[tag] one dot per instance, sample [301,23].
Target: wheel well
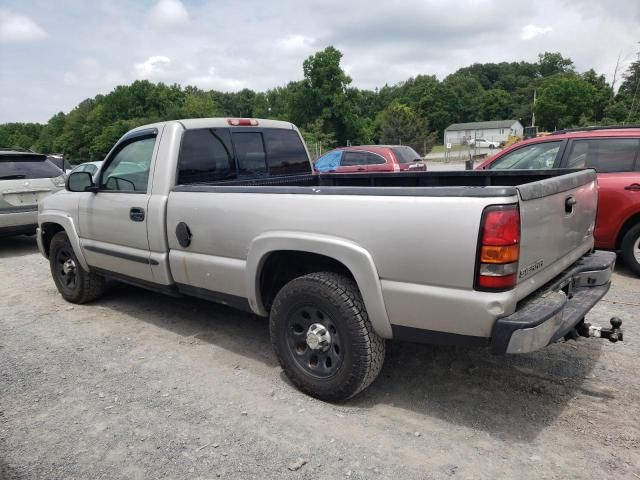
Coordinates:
[48,232]
[283,266]
[628,225]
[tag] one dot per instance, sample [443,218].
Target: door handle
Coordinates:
[634,187]
[361,169]
[569,203]
[136,214]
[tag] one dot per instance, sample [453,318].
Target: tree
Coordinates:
[399,124]
[495,104]
[554,63]
[323,95]
[563,100]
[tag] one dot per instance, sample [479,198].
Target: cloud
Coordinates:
[18,28]
[531,31]
[152,67]
[94,46]
[295,42]
[169,12]
[215,81]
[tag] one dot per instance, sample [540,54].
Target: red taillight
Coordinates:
[499,249]
[242,122]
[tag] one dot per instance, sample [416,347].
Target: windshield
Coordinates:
[17,167]
[530,157]
[406,154]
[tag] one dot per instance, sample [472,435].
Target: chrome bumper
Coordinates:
[550,313]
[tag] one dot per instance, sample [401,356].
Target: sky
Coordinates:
[53,55]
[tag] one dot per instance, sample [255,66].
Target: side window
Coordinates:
[128,170]
[286,154]
[375,159]
[250,153]
[606,155]
[537,156]
[92,169]
[351,159]
[205,156]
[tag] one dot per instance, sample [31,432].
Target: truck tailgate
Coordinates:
[557,222]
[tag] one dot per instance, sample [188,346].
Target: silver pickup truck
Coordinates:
[228,210]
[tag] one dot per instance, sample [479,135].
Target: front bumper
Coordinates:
[553,311]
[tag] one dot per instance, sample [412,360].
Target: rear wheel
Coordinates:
[74,283]
[630,247]
[323,338]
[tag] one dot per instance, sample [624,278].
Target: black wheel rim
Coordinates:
[322,362]
[65,265]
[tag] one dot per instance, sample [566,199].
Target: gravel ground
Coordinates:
[141,386]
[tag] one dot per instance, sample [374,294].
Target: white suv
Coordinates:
[25,179]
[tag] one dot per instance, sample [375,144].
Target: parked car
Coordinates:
[483,143]
[91,167]
[229,210]
[26,178]
[60,162]
[615,154]
[370,158]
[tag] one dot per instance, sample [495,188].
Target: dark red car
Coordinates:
[615,154]
[370,158]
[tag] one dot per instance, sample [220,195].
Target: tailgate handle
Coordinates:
[634,187]
[569,203]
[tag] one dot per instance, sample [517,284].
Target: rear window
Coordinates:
[17,167]
[406,154]
[205,156]
[250,154]
[606,155]
[286,154]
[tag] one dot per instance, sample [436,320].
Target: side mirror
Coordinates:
[79,182]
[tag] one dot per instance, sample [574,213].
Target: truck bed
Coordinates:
[500,183]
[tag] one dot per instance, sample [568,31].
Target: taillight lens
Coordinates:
[499,249]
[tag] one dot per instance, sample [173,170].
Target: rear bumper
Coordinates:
[16,221]
[550,313]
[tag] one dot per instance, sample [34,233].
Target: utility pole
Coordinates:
[533,113]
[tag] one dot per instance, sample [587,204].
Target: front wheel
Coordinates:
[630,247]
[74,283]
[323,338]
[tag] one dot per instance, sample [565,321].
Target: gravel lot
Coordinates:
[142,386]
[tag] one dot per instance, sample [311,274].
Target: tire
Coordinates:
[491,146]
[355,351]
[74,283]
[630,247]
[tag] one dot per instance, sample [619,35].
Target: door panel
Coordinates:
[113,221]
[353,162]
[615,205]
[616,161]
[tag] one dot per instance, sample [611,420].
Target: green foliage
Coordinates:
[565,100]
[331,112]
[399,124]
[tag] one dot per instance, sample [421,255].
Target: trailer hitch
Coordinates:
[584,329]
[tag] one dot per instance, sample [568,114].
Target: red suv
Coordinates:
[370,158]
[614,152]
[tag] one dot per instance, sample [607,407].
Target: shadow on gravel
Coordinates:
[196,320]
[513,398]
[17,247]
